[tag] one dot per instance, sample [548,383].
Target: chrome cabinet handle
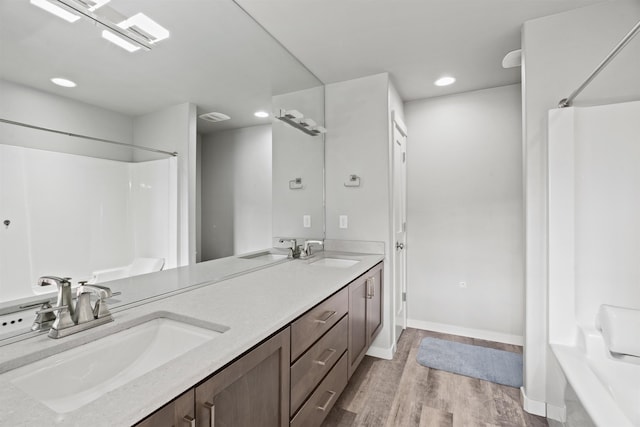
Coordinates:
[189,419]
[212,416]
[399,246]
[371,289]
[326,404]
[324,361]
[325,317]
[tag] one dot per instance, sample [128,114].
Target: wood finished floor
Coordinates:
[401,392]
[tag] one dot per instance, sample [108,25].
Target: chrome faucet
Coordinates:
[306,250]
[71,319]
[294,249]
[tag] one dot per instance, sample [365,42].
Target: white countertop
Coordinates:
[253,306]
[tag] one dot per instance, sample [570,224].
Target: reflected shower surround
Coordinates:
[72,215]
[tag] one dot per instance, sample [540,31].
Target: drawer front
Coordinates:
[312,325]
[316,409]
[307,372]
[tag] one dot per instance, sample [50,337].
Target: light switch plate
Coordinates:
[344,221]
[306,221]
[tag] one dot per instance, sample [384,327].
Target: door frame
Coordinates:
[397,125]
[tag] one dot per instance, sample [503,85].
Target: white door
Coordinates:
[399,226]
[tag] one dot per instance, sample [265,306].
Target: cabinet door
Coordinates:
[180,412]
[252,391]
[357,322]
[374,303]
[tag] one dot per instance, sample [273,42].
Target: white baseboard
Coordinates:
[534,407]
[481,334]
[381,352]
[558,413]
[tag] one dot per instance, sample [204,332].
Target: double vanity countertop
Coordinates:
[252,306]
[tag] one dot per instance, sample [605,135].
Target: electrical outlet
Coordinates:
[344,221]
[306,221]
[462,284]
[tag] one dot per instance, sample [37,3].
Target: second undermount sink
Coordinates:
[71,379]
[335,262]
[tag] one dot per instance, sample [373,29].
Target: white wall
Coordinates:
[464,214]
[298,155]
[558,53]
[27,105]
[357,142]
[236,191]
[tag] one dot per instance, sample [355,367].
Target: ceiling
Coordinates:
[217,57]
[416,41]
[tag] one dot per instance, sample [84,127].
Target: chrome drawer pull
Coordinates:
[323,362]
[212,408]
[189,419]
[326,404]
[325,317]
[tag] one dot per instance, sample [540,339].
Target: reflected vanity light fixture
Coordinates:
[296,119]
[55,10]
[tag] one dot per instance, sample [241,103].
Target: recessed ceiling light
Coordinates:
[119,41]
[444,81]
[261,114]
[56,10]
[63,82]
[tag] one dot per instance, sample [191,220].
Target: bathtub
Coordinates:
[607,387]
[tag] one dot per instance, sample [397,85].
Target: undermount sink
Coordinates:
[71,379]
[335,262]
[265,256]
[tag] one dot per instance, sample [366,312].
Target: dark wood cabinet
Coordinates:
[365,314]
[180,412]
[252,391]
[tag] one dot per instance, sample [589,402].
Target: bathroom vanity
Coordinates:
[293,377]
[287,338]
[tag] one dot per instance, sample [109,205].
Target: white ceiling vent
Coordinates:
[214,117]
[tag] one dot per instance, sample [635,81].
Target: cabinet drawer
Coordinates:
[315,410]
[312,325]
[307,372]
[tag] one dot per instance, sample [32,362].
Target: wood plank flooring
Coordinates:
[401,392]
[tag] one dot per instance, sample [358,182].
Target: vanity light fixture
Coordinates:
[445,81]
[56,10]
[60,81]
[93,5]
[261,114]
[146,27]
[119,41]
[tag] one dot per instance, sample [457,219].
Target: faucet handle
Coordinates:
[54,280]
[100,309]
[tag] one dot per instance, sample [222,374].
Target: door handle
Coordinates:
[399,246]
[212,412]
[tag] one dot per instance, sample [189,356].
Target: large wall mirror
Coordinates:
[119,176]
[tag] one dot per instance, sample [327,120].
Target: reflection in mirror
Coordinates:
[102,212]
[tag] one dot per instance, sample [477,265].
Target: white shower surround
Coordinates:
[110,213]
[594,247]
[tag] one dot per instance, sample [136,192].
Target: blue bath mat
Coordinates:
[497,366]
